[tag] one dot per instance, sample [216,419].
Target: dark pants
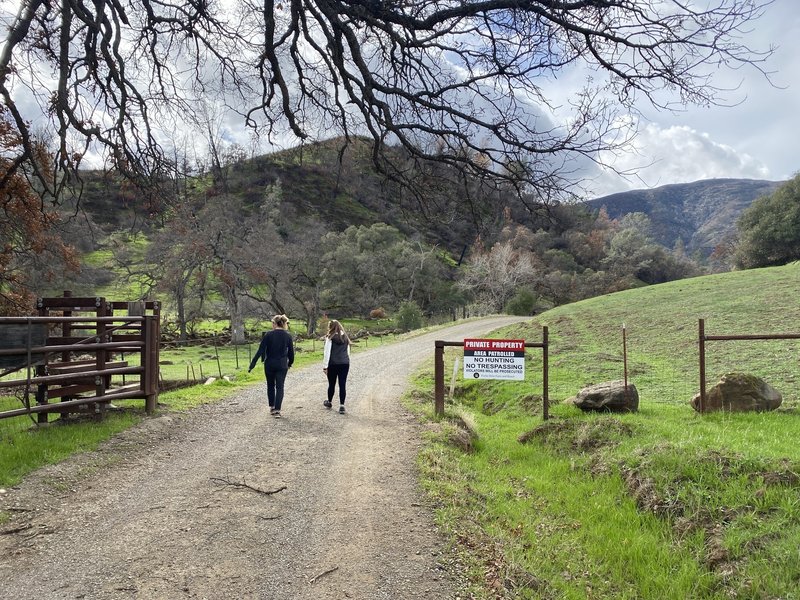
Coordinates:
[275,380]
[337,373]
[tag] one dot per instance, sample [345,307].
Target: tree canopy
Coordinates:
[30,245]
[769,230]
[453,82]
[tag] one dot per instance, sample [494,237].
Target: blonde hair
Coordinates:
[334,327]
[281,321]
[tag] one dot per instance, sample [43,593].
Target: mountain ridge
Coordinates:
[701,214]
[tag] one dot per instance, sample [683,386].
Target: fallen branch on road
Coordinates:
[313,579]
[225,482]
[16,529]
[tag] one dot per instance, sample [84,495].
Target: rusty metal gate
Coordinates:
[73,351]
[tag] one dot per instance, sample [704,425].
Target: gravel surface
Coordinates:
[333,508]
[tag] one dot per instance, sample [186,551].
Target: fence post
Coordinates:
[438,377]
[216,352]
[545,376]
[702,352]
[101,381]
[625,359]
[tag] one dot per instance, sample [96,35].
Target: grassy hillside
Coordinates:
[663,503]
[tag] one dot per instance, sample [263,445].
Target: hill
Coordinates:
[323,182]
[339,186]
[700,214]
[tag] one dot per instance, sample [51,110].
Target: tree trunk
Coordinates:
[236,319]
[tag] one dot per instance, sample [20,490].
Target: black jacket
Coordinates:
[276,350]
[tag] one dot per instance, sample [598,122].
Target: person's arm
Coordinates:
[290,351]
[258,354]
[326,354]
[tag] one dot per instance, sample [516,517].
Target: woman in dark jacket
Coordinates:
[336,362]
[277,352]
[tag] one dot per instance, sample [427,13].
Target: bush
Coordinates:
[523,303]
[409,316]
[377,313]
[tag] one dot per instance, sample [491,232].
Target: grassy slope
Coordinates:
[659,504]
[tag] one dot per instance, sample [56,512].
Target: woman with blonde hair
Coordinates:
[336,362]
[277,352]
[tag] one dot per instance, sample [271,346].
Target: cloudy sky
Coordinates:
[756,139]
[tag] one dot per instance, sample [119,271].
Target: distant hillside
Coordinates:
[699,213]
[322,183]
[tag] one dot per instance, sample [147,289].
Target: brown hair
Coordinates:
[281,321]
[335,330]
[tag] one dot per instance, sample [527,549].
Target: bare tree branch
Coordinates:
[458,84]
[227,482]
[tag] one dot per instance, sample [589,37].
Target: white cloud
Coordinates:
[752,134]
[676,154]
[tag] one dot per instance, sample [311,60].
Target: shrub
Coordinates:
[377,313]
[409,316]
[523,303]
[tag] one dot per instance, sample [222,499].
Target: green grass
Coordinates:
[22,450]
[663,503]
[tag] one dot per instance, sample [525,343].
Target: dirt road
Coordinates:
[157,512]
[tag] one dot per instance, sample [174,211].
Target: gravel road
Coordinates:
[334,509]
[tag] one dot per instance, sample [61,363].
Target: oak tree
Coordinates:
[462,84]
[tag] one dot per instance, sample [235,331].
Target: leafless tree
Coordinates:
[463,83]
[494,275]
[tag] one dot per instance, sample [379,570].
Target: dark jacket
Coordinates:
[276,350]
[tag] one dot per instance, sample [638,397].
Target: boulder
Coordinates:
[609,396]
[740,392]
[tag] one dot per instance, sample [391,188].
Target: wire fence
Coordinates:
[664,369]
[775,361]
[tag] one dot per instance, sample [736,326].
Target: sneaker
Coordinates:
[341,409]
[277,414]
[327,404]
[271,410]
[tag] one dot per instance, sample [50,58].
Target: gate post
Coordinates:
[438,378]
[149,361]
[545,376]
[702,350]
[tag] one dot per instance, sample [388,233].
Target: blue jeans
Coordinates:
[275,381]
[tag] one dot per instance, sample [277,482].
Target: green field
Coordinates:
[663,503]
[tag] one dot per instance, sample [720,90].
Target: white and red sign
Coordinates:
[494,359]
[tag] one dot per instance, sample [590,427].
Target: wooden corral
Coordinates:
[71,351]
